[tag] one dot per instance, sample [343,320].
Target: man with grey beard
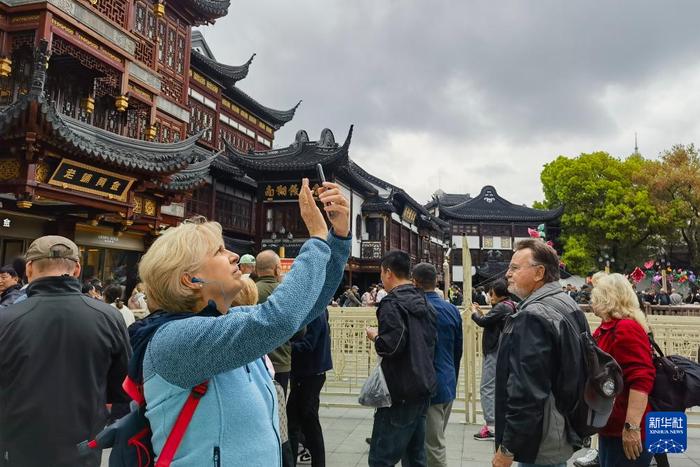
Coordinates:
[539,364]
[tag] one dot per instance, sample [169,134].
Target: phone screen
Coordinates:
[321,175]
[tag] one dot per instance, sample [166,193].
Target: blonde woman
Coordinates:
[248,294]
[623,334]
[192,337]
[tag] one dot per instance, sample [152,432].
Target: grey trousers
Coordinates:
[488,388]
[435,424]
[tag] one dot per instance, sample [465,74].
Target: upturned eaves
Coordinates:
[490,206]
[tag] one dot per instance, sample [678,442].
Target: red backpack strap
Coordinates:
[180,427]
[135,391]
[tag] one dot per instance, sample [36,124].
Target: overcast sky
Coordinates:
[459,94]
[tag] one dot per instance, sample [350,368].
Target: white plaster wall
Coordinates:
[472,241]
[357,201]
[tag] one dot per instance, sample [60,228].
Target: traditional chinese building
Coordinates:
[492,225]
[94,124]
[382,216]
[224,113]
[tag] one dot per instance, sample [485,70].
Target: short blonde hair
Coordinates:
[180,250]
[596,277]
[248,294]
[613,297]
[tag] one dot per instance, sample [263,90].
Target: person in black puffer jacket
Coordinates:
[405,340]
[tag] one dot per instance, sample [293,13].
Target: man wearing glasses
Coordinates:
[539,364]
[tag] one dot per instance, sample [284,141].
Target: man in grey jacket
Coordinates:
[539,365]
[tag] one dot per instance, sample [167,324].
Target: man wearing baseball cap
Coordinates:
[247,265]
[63,358]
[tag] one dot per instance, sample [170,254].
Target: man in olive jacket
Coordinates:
[405,340]
[268,268]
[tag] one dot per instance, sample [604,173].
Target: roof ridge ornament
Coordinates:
[41,63]
[327,139]
[301,137]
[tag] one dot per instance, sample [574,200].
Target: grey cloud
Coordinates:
[525,73]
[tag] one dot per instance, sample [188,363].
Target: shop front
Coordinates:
[17,231]
[108,257]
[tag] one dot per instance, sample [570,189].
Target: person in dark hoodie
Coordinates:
[405,340]
[311,358]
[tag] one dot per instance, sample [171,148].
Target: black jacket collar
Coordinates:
[54,285]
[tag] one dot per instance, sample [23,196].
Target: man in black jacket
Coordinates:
[405,340]
[540,365]
[63,357]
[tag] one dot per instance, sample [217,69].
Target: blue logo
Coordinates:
[666,432]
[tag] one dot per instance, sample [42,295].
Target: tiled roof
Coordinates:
[276,118]
[192,176]
[489,206]
[299,156]
[210,9]
[448,199]
[98,144]
[227,75]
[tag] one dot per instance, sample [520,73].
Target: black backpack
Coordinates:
[677,383]
[130,436]
[601,382]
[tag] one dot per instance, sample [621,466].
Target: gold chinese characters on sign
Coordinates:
[409,215]
[87,179]
[286,191]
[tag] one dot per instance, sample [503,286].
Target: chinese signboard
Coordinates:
[409,215]
[286,191]
[666,432]
[81,177]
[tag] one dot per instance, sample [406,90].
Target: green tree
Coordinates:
[674,182]
[607,208]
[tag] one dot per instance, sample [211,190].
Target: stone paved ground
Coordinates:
[345,431]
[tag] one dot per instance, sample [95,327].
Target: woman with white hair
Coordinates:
[190,338]
[623,334]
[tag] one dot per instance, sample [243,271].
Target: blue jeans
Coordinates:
[541,465]
[398,434]
[611,454]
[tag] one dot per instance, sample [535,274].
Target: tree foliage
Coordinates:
[607,209]
[674,183]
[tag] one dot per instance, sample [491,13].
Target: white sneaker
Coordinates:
[590,459]
[304,458]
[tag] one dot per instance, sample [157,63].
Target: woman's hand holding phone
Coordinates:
[337,207]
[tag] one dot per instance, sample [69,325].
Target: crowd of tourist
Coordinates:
[259,345]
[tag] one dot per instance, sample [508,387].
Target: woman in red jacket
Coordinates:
[623,334]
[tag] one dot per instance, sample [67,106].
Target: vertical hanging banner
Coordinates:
[666,432]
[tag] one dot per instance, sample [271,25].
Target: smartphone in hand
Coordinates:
[322,177]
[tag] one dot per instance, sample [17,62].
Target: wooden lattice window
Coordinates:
[395,235]
[233,212]
[161,41]
[140,18]
[167,131]
[404,239]
[170,51]
[172,87]
[114,10]
[144,52]
[180,59]
[137,121]
[199,202]
[62,47]
[201,117]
